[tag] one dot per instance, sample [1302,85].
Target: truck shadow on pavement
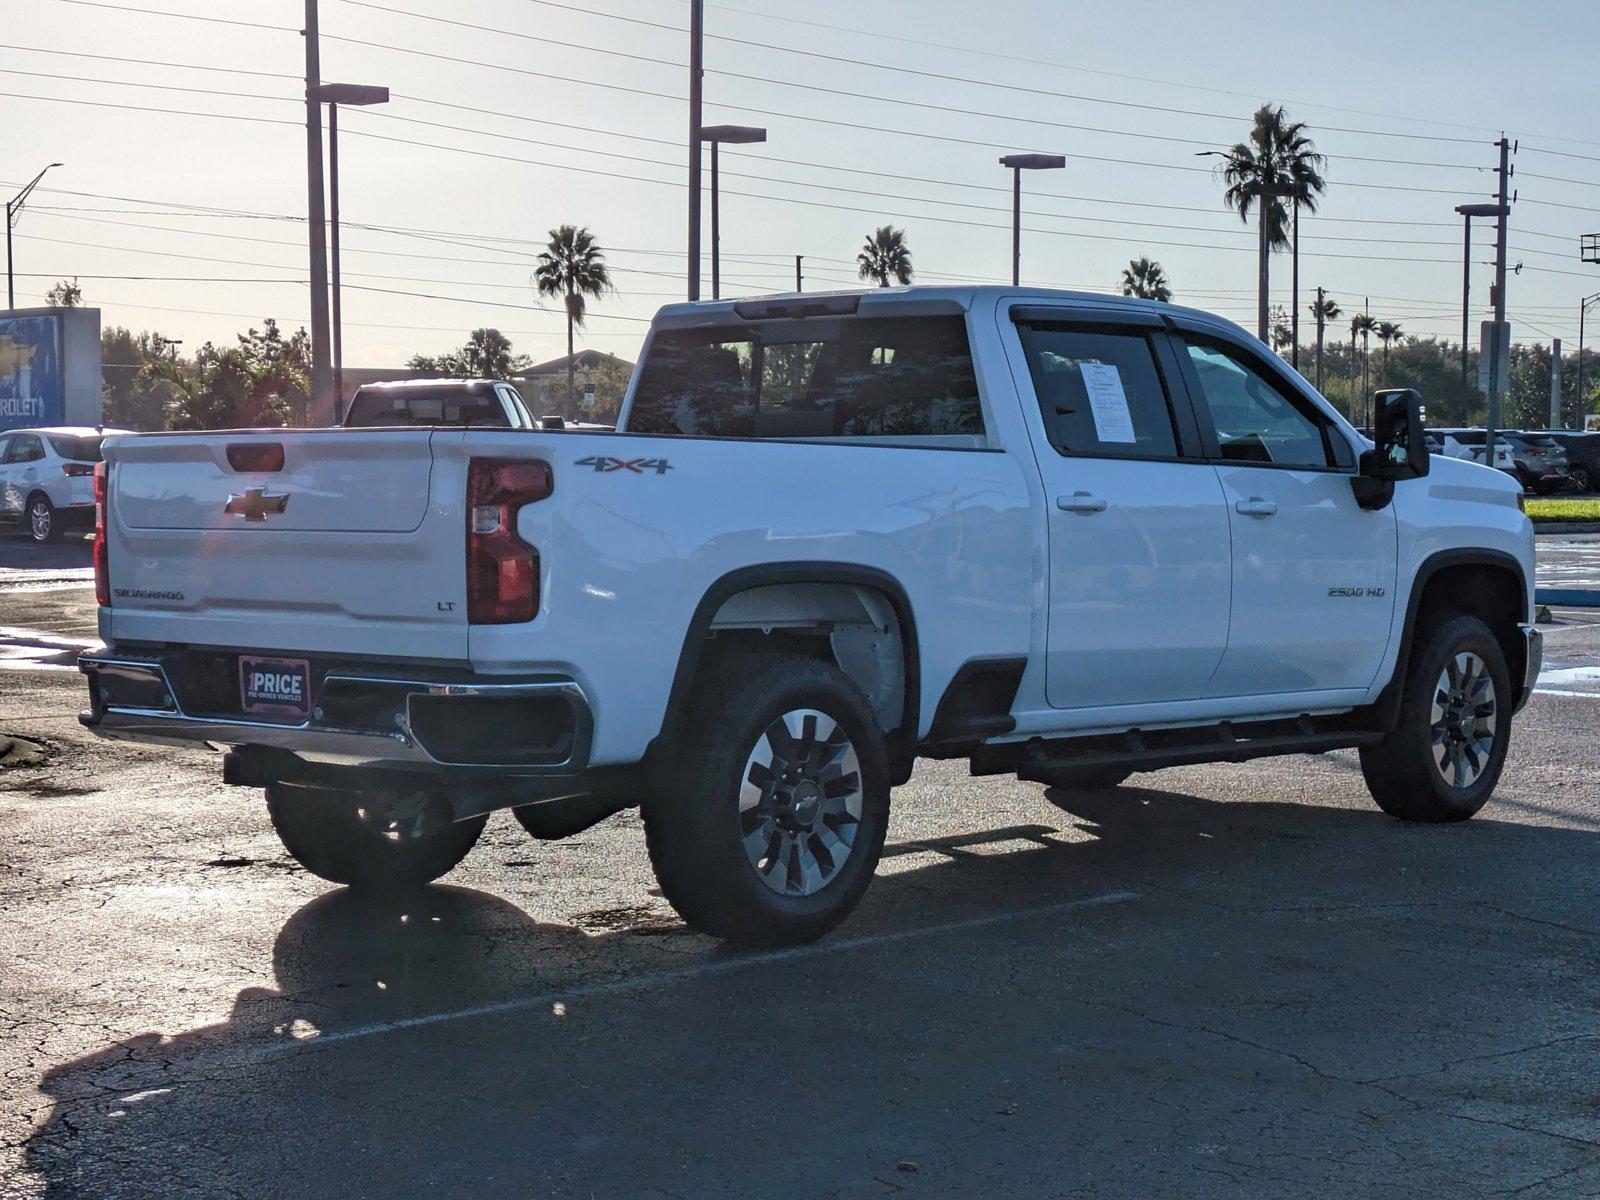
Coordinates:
[1299,1000]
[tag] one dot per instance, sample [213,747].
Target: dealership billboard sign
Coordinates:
[49,367]
[30,371]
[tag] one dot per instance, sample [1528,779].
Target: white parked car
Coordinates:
[1468,444]
[1062,536]
[47,479]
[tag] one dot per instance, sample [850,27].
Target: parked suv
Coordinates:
[46,479]
[1541,461]
[1468,444]
[1583,456]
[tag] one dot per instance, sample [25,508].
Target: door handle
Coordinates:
[1255,507]
[1080,502]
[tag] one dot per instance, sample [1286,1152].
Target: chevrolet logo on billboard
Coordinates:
[255,504]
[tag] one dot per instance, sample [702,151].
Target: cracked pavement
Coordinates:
[1276,991]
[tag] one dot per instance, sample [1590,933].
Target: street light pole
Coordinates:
[1468,212]
[1018,163]
[13,208]
[697,23]
[1583,309]
[739,135]
[1501,230]
[316,221]
[335,94]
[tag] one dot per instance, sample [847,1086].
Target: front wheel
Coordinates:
[1445,754]
[42,523]
[346,837]
[768,817]
[1581,480]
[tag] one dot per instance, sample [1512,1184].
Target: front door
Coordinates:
[7,505]
[1313,573]
[1138,554]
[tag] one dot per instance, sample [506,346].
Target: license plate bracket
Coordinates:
[279,687]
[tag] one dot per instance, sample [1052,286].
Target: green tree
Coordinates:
[486,355]
[572,267]
[263,381]
[1146,280]
[1324,312]
[1388,333]
[64,295]
[1277,170]
[132,395]
[885,256]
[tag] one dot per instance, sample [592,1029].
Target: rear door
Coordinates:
[1139,554]
[1313,573]
[22,471]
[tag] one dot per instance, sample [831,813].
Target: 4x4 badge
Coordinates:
[255,504]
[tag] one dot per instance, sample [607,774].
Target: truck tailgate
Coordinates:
[354,545]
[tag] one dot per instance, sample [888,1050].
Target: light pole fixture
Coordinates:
[13,211]
[1467,212]
[356,95]
[1583,309]
[733,135]
[1018,163]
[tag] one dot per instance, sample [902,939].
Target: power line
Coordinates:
[153,12]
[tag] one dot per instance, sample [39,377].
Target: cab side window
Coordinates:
[1257,420]
[1100,391]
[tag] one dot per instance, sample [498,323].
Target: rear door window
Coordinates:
[890,378]
[25,447]
[1100,391]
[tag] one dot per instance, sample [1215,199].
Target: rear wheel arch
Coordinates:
[870,629]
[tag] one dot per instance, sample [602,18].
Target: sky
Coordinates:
[509,117]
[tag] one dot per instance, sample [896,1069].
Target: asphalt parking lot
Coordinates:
[1233,981]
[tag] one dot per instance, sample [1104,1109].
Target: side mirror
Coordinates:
[1400,448]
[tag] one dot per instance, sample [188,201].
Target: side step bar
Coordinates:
[1045,760]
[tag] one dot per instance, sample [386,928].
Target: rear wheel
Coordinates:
[346,837]
[1581,480]
[1445,754]
[768,817]
[42,524]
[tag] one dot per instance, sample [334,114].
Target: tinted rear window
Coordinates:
[854,377]
[425,406]
[78,449]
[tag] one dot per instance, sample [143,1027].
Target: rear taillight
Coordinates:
[78,469]
[502,569]
[102,569]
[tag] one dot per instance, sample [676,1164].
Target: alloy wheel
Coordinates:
[800,802]
[39,519]
[1464,718]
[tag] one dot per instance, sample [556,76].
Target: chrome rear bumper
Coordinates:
[132,698]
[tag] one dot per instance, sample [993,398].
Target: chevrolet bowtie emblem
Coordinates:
[255,504]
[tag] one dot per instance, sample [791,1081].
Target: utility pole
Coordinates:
[1294,293]
[1502,228]
[1321,322]
[799,279]
[1366,361]
[697,37]
[322,406]
[1466,314]
[1555,383]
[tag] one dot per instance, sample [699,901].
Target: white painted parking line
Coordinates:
[304,1040]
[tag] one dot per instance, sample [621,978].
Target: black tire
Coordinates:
[1091,779]
[697,831]
[39,514]
[324,831]
[1581,482]
[1404,772]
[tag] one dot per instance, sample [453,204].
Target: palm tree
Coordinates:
[1388,332]
[573,267]
[1363,324]
[1146,280]
[1278,163]
[886,256]
[1324,310]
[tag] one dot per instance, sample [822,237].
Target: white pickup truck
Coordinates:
[1062,536]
